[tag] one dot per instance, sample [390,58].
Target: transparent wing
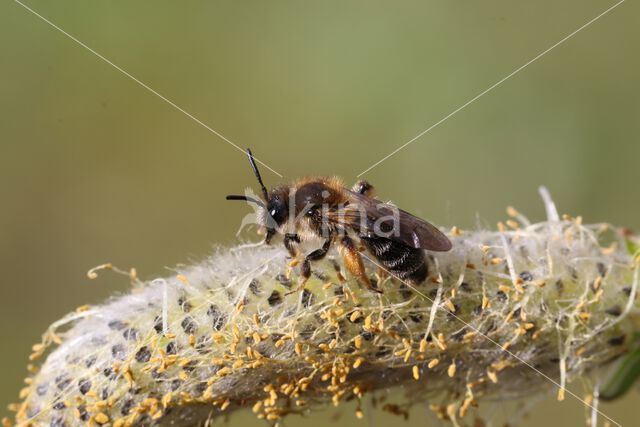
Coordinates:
[371,217]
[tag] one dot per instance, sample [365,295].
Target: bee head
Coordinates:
[273,206]
[276,213]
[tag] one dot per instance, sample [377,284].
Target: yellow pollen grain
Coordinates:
[560,394]
[357,341]
[367,322]
[513,224]
[451,370]
[456,231]
[101,418]
[433,363]
[450,306]
[183,279]
[416,372]
[355,316]
[256,338]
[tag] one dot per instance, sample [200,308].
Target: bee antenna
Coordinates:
[254,166]
[245,198]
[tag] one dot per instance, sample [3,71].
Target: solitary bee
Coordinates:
[323,208]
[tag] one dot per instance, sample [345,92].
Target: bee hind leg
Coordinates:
[363,187]
[353,262]
[305,268]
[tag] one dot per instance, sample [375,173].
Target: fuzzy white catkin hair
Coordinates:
[504,311]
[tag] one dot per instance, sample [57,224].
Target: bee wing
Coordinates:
[368,216]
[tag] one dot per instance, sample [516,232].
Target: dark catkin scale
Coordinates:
[116,325]
[84,385]
[416,316]
[465,287]
[321,275]
[184,304]
[143,355]
[275,298]
[90,361]
[614,311]
[457,336]
[573,272]
[126,406]
[602,269]
[157,324]
[283,280]
[366,335]
[254,287]
[62,382]
[616,341]
[119,352]
[175,384]
[405,292]
[171,348]
[189,325]
[383,353]
[83,415]
[130,334]
[501,296]
[59,406]
[41,389]
[560,286]
[218,317]
[526,276]
[57,422]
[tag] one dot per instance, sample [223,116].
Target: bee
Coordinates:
[350,219]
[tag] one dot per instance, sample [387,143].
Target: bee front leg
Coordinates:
[305,268]
[289,241]
[353,262]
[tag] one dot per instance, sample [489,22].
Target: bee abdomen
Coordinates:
[400,260]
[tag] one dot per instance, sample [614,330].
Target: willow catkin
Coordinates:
[499,313]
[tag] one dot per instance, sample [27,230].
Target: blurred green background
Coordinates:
[95,168]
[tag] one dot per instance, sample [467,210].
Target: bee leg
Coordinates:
[289,240]
[364,188]
[353,262]
[268,236]
[305,268]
